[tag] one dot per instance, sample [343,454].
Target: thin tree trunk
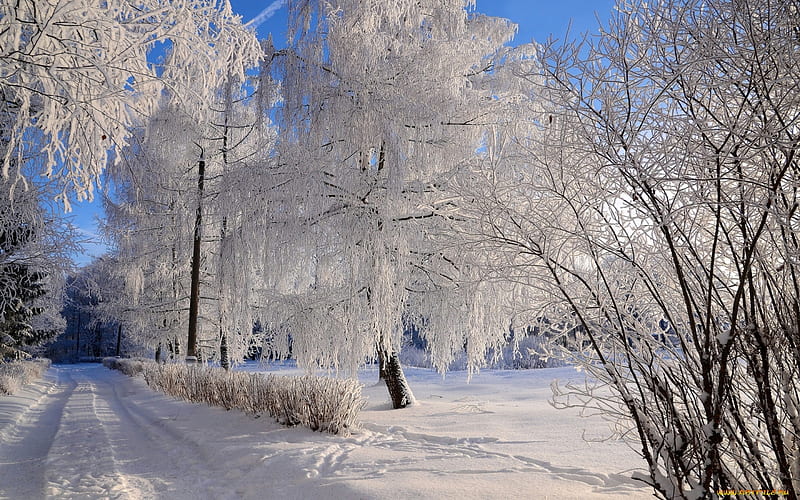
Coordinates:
[119,339]
[194,297]
[224,360]
[78,337]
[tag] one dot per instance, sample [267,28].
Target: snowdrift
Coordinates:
[16,374]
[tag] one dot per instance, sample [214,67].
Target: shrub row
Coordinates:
[15,374]
[319,403]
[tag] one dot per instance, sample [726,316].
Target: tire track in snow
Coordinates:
[174,456]
[130,449]
[161,444]
[95,433]
[26,438]
[81,460]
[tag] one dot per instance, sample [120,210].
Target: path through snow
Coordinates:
[87,432]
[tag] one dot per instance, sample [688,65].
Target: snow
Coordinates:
[89,432]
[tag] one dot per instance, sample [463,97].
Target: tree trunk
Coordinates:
[224,360]
[119,339]
[174,348]
[399,390]
[78,337]
[194,297]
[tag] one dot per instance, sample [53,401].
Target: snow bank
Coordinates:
[16,374]
[319,403]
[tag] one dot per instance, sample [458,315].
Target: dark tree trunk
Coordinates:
[78,337]
[119,340]
[158,353]
[194,297]
[224,360]
[395,379]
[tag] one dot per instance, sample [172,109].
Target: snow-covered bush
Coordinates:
[129,366]
[319,403]
[16,374]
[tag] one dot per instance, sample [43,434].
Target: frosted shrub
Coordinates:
[319,403]
[14,375]
[130,367]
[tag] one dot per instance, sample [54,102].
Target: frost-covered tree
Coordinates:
[34,249]
[653,211]
[241,214]
[382,103]
[185,224]
[149,223]
[76,76]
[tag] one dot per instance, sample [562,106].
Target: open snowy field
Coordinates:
[89,432]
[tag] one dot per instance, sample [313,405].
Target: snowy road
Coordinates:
[87,432]
[81,437]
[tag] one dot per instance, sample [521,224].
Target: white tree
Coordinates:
[652,214]
[34,258]
[76,77]
[149,223]
[241,141]
[187,223]
[382,103]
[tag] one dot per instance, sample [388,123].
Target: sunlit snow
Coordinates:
[89,432]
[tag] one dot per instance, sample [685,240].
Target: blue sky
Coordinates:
[537,20]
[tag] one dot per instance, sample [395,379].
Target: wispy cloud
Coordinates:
[91,245]
[265,14]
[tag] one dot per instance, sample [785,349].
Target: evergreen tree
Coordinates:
[24,286]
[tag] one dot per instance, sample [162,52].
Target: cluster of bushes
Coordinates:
[319,403]
[15,374]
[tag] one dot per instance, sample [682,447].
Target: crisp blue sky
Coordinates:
[537,20]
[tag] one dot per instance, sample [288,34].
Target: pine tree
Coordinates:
[23,287]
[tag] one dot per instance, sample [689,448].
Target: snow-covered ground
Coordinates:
[88,432]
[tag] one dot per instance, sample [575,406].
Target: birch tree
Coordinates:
[166,228]
[656,208]
[382,102]
[75,76]
[149,223]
